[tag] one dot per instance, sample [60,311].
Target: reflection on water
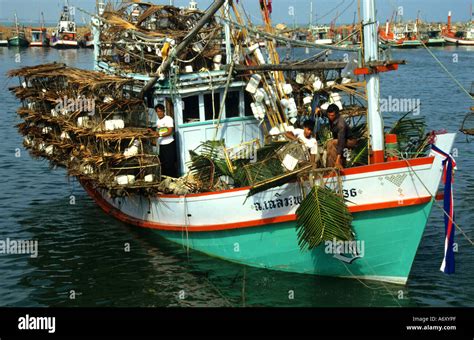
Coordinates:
[82,251]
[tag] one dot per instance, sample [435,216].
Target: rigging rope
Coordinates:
[446,70]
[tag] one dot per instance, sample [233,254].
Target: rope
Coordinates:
[221,110]
[446,70]
[186,225]
[330,11]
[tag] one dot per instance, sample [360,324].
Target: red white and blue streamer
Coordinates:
[448,165]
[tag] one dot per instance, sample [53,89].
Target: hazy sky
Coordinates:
[324,10]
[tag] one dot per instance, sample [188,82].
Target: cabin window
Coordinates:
[190,109]
[232,104]
[208,106]
[248,100]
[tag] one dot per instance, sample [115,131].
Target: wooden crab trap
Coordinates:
[288,157]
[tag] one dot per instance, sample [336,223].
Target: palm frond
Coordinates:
[360,154]
[209,164]
[322,216]
[410,133]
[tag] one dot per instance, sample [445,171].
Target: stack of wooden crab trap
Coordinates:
[89,123]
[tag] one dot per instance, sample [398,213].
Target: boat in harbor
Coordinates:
[87,41]
[243,102]
[39,35]
[431,36]
[65,35]
[3,42]
[400,35]
[321,34]
[19,38]
[463,36]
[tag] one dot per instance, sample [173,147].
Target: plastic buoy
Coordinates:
[391,147]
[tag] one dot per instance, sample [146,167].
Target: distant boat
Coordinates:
[3,42]
[87,41]
[65,35]
[461,37]
[433,37]
[321,34]
[19,39]
[402,36]
[39,36]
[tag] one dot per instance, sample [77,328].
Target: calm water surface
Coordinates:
[82,250]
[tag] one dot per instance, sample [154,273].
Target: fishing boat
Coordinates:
[401,36]
[39,35]
[87,41]
[3,42]
[389,199]
[321,34]
[463,36]
[65,35]
[19,38]
[431,36]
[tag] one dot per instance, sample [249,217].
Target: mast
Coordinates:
[374,116]
[96,28]
[228,51]
[16,25]
[449,22]
[310,14]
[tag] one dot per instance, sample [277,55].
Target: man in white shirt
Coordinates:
[306,137]
[165,128]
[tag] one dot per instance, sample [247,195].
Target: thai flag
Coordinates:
[448,165]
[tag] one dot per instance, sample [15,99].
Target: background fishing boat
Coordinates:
[39,35]
[3,41]
[19,38]
[321,34]
[65,35]
[431,35]
[87,40]
[463,36]
[400,36]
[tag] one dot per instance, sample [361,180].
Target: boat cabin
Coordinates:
[195,111]
[38,37]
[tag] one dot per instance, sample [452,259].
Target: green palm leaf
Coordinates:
[410,133]
[322,216]
[209,164]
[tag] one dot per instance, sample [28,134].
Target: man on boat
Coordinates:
[306,137]
[165,128]
[337,148]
